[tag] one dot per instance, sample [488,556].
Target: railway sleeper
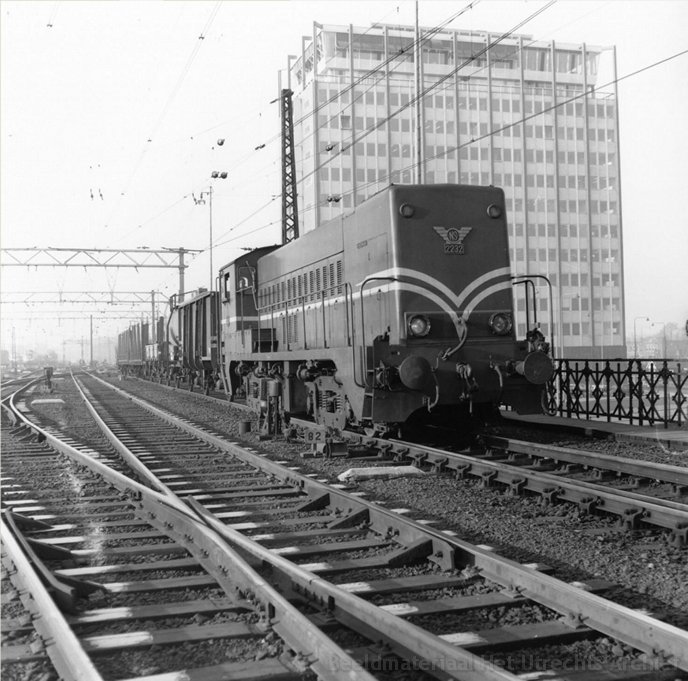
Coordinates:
[144,639]
[516,458]
[315,503]
[602,474]
[383,657]
[490,454]
[360,450]
[355,519]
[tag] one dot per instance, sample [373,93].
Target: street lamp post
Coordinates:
[635,335]
[663,337]
[210,221]
[201,199]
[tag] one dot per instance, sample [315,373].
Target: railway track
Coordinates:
[411,571]
[548,471]
[651,478]
[122,581]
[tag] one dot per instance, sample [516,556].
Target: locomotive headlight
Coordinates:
[419,325]
[500,323]
[494,211]
[407,210]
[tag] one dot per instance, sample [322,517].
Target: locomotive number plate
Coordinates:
[453,238]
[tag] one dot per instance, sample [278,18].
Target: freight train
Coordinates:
[399,312]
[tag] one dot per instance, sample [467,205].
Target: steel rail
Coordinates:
[231,571]
[580,607]
[676,475]
[131,459]
[62,646]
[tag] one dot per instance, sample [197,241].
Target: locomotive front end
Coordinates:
[438,320]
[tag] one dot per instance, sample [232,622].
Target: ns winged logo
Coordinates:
[453,238]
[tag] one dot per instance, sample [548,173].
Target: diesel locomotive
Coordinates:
[398,312]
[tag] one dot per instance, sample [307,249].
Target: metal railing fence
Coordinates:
[636,391]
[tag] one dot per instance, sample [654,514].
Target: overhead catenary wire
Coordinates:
[53,14]
[176,202]
[361,79]
[166,107]
[274,138]
[427,35]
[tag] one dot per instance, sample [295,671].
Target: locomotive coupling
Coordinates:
[308,372]
[242,369]
[465,372]
[387,377]
[537,367]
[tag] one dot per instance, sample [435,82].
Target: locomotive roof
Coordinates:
[318,244]
[255,253]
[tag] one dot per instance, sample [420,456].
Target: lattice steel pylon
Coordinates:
[290,214]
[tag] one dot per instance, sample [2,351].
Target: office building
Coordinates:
[525,115]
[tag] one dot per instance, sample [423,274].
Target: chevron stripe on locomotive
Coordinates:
[399,312]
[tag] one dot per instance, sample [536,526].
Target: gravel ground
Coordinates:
[651,574]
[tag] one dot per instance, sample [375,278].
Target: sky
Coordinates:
[111,114]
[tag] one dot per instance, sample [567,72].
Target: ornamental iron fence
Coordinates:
[636,391]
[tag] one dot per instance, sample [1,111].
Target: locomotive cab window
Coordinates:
[227,285]
[245,281]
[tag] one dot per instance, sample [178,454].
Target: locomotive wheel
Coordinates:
[548,400]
